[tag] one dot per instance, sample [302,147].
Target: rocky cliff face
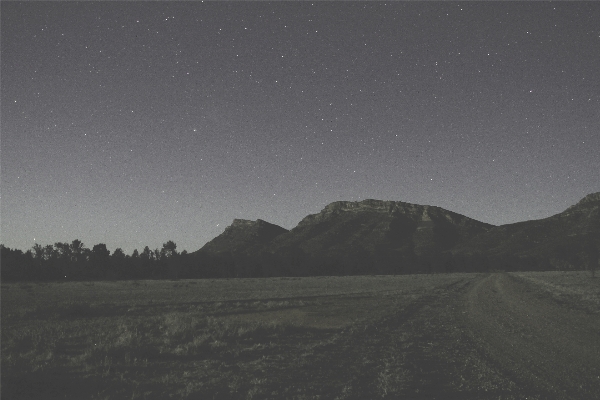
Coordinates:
[379,226]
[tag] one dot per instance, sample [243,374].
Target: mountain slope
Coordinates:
[565,236]
[379,226]
[375,236]
[242,235]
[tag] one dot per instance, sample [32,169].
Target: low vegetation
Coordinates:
[577,289]
[150,339]
[293,338]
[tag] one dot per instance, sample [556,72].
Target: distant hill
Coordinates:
[379,226]
[243,234]
[375,236]
[345,238]
[562,239]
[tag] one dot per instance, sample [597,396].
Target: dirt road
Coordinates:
[545,347]
[482,337]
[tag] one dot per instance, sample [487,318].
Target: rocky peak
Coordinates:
[255,228]
[351,207]
[242,234]
[246,223]
[590,198]
[383,206]
[241,222]
[414,211]
[380,224]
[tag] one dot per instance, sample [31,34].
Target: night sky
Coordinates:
[131,124]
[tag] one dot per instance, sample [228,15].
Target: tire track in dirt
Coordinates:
[541,345]
[417,352]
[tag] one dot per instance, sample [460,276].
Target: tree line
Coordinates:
[73,261]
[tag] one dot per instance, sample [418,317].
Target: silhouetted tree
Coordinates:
[10,263]
[16,265]
[117,264]
[38,253]
[100,260]
[63,250]
[169,249]
[49,252]
[100,252]
[170,265]
[76,249]
[146,262]
[147,254]
[61,261]
[118,253]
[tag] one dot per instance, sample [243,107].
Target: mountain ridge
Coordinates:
[385,236]
[551,236]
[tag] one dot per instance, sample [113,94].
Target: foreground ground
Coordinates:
[456,336]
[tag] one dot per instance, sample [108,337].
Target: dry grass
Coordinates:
[578,289]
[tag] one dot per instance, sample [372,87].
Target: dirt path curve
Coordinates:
[544,346]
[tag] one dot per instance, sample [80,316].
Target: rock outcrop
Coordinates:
[379,226]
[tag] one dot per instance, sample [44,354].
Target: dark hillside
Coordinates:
[241,235]
[562,239]
[376,226]
[391,237]
[366,237]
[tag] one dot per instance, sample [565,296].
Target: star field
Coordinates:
[132,124]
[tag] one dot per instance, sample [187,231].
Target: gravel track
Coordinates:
[542,345]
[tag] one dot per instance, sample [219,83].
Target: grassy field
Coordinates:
[574,288]
[297,338]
